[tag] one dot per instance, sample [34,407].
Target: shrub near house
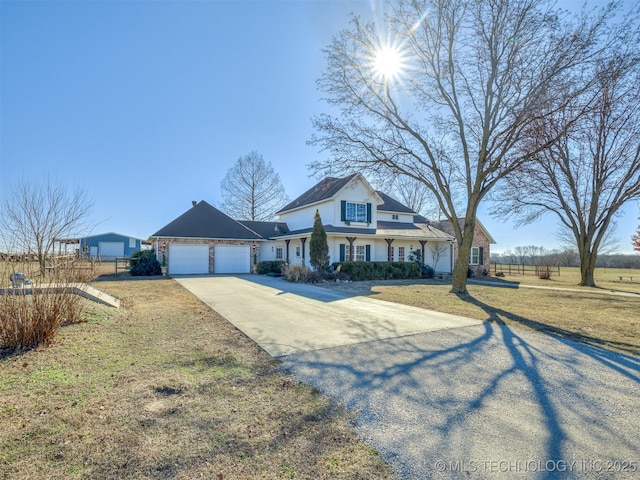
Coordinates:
[144,262]
[358,271]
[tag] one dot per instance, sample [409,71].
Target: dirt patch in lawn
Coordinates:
[166,388]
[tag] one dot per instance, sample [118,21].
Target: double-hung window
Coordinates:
[361,253]
[475,256]
[356,212]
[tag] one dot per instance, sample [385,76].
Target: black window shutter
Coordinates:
[481,256]
[342,249]
[368,213]
[343,210]
[368,252]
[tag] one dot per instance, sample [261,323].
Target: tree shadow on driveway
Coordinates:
[487,401]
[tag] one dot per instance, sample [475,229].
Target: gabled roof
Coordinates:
[447,226]
[323,190]
[86,237]
[392,205]
[205,221]
[109,233]
[266,229]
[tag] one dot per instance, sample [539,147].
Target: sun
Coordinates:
[389,62]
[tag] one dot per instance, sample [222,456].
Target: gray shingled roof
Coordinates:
[447,227]
[266,229]
[205,221]
[322,190]
[392,205]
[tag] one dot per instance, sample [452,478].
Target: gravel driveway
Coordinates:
[467,401]
[487,402]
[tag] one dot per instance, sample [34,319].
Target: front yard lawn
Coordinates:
[166,388]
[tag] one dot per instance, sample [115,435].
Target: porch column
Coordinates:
[423,243]
[389,242]
[351,253]
[287,244]
[303,240]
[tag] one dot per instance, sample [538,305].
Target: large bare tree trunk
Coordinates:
[461,267]
[587,266]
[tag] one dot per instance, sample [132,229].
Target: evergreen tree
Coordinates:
[318,246]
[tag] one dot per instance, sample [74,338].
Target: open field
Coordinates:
[166,388]
[606,278]
[595,317]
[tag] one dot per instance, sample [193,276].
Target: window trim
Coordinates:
[474,254]
[356,212]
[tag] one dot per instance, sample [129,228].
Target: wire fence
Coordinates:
[499,269]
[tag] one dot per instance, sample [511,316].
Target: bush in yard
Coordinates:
[358,271]
[427,271]
[543,272]
[270,266]
[143,263]
[295,272]
[29,318]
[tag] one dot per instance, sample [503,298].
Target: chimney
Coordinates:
[193,203]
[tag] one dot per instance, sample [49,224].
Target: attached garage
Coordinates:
[232,259]
[188,259]
[202,232]
[111,249]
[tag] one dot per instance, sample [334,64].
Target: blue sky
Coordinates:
[147,104]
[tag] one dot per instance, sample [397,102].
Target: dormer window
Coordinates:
[394,217]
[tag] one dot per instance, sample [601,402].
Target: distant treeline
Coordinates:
[532,255]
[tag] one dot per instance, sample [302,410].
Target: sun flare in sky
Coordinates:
[389,62]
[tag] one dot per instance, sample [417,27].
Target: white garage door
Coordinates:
[188,259]
[232,259]
[111,249]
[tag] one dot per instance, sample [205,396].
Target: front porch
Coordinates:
[365,248]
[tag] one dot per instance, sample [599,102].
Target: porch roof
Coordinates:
[414,231]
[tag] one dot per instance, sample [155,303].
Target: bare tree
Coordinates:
[521,254]
[437,250]
[594,169]
[416,196]
[252,190]
[34,215]
[471,76]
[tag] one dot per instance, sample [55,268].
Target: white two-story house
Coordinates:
[362,224]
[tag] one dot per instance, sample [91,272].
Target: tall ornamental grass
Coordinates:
[30,316]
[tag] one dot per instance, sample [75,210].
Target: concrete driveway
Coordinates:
[447,397]
[284,317]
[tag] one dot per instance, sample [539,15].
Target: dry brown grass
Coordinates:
[594,317]
[166,388]
[31,316]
